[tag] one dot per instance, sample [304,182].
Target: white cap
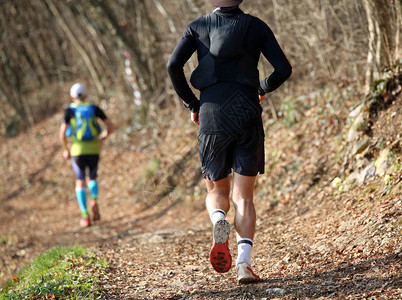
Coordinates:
[78,91]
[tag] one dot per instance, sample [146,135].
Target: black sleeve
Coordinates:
[180,55]
[274,54]
[99,113]
[68,114]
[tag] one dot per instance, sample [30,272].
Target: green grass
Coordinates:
[60,273]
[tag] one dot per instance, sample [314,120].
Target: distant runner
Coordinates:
[228,43]
[81,123]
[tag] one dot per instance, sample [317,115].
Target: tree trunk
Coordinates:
[383,18]
[70,35]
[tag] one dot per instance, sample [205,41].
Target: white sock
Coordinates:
[216,215]
[244,247]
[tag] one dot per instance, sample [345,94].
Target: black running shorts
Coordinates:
[242,152]
[82,163]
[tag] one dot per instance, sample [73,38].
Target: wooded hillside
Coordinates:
[329,204]
[46,45]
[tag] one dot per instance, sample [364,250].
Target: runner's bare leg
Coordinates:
[245,215]
[218,194]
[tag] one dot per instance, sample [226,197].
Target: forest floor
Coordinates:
[326,245]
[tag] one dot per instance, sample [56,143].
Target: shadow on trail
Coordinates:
[129,228]
[125,225]
[32,177]
[132,225]
[175,171]
[349,280]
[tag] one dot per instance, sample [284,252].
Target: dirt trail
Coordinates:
[308,255]
[328,246]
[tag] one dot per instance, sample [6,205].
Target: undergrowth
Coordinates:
[60,273]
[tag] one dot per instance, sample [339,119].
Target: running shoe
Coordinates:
[245,274]
[94,208]
[220,257]
[85,222]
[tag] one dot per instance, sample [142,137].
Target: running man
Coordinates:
[228,43]
[81,122]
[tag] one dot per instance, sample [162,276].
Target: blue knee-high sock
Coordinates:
[82,200]
[93,187]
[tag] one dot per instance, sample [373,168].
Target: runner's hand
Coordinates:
[194,118]
[66,154]
[101,139]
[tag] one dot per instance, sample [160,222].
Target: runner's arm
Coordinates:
[108,130]
[274,54]
[63,140]
[180,55]
[109,124]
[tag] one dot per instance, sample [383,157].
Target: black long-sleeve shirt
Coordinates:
[259,39]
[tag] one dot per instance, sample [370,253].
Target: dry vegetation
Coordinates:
[46,45]
[316,237]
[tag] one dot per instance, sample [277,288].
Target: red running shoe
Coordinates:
[220,257]
[85,222]
[94,210]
